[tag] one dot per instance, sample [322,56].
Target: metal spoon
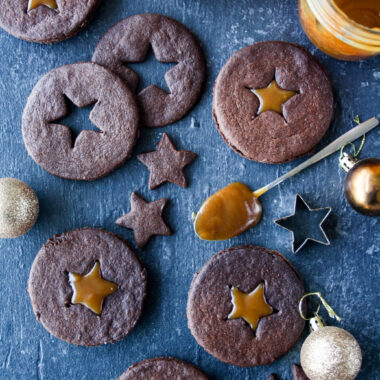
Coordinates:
[235,208]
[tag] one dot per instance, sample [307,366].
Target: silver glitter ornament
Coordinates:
[19,208]
[329,353]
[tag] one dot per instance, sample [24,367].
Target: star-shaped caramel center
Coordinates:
[251,307]
[91,290]
[52,4]
[272,97]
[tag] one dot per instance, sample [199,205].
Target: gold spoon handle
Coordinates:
[348,137]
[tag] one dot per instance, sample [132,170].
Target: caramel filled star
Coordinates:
[33,4]
[91,290]
[251,307]
[272,97]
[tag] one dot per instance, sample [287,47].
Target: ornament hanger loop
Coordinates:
[322,301]
[355,152]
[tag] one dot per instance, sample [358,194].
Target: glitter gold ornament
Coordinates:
[18,208]
[329,352]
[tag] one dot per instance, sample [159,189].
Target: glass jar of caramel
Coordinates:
[344,29]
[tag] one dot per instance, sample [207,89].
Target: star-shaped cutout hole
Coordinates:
[250,306]
[151,71]
[166,163]
[272,97]
[145,219]
[91,289]
[33,4]
[305,224]
[75,119]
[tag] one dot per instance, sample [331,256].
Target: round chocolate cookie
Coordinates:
[66,280]
[92,154]
[222,299]
[46,21]
[162,369]
[279,123]
[129,41]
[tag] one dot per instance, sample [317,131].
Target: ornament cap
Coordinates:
[346,161]
[316,323]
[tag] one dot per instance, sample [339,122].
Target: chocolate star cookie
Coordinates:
[94,154]
[162,369]
[145,219]
[129,41]
[87,287]
[46,21]
[273,102]
[166,163]
[221,320]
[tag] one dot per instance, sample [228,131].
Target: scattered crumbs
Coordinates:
[376,74]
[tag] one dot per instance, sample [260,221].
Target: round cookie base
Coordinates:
[57,38]
[271,137]
[162,369]
[209,305]
[76,252]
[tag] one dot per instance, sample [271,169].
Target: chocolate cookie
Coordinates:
[145,219]
[272,377]
[162,369]
[272,102]
[46,21]
[243,306]
[92,154]
[129,41]
[166,163]
[64,270]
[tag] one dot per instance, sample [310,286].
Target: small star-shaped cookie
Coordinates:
[52,4]
[251,307]
[145,219]
[91,290]
[166,163]
[272,97]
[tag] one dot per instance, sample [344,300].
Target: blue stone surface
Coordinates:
[346,272]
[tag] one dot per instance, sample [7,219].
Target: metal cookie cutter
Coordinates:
[305,224]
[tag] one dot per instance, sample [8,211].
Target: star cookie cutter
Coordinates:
[298,223]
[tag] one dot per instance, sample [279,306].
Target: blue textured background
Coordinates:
[347,272]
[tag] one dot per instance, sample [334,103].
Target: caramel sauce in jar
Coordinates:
[344,29]
[228,213]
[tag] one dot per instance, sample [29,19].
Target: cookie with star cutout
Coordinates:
[93,153]
[87,287]
[272,102]
[242,306]
[129,42]
[46,21]
[162,369]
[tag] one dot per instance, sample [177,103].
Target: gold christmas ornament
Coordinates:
[362,184]
[19,208]
[329,352]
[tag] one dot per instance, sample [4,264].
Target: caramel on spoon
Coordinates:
[235,208]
